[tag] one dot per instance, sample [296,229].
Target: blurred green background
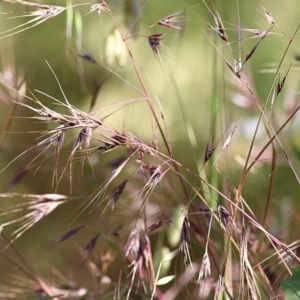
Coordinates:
[188,82]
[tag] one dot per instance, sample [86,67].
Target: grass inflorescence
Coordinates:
[148,149]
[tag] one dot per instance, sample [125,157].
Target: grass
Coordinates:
[149,150]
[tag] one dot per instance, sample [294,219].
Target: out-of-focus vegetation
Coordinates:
[149,149]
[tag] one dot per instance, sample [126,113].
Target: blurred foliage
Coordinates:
[291,286]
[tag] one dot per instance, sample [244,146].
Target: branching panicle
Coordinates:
[153,223]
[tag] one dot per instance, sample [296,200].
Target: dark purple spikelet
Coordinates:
[184,236]
[224,215]
[280,85]
[106,147]
[68,234]
[155,41]
[166,220]
[209,151]
[116,140]
[220,29]
[116,193]
[90,245]
[87,57]
[155,226]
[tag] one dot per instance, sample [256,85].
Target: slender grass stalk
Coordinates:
[122,216]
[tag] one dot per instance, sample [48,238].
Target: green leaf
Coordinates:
[291,286]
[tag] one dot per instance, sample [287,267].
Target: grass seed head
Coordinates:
[30,213]
[89,247]
[205,269]
[219,29]
[68,235]
[209,151]
[116,193]
[268,16]
[133,244]
[84,138]
[155,42]
[224,216]
[100,6]
[175,21]
[184,236]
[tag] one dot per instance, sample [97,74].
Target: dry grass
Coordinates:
[120,212]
